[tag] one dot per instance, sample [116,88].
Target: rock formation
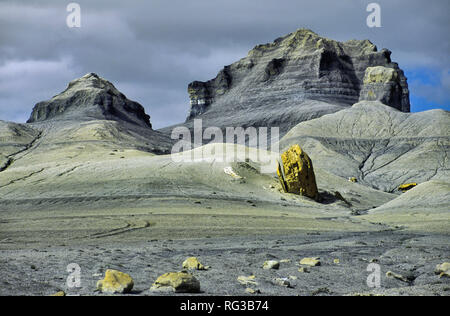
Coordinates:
[378,145]
[115,282]
[296,173]
[297,77]
[87,98]
[385,85]
[178,282]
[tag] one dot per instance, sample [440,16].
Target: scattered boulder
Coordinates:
[296,173]
[192,263]
[282,282]
[407,186]
[252,291]
[271,264]
[443,269]
[312,262]
[397,276]
[115,282]
[178,282]
[247,280]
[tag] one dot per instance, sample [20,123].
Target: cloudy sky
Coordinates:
[152,49]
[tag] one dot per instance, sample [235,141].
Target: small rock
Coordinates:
[397,276]
[271,264]
[244,280]
[252,291]
[407,186]
[286,261]
[60,293]
[322,290]
[115,282]
[443,269]
[312,262]
[353,179]
[178,282]
[303,270]
[282,282]
[336,261]
[192,263]
[293,277]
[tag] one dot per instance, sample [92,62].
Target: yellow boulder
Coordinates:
[178,282]
[296,173]
[247,280]
[407,186]
[115,282]
[192,263]
[312,262]
[271,264]
[443,269]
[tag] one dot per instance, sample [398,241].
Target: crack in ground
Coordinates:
[11,159]
[23,178]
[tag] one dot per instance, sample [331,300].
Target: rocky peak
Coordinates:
[90,97]
[297,67]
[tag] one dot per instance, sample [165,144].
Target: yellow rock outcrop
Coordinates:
[192,263]
[296,173]
[380,74]
[407,186]
[115,282]
[179,282]
[443,269]
[312,262]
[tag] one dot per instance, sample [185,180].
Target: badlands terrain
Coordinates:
[88,181]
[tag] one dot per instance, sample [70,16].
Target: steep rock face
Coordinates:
[286,75]
[90,97]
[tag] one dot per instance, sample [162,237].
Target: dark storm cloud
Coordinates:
[151,50]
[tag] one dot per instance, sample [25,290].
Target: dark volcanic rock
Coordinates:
[296,78]
[91,97]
